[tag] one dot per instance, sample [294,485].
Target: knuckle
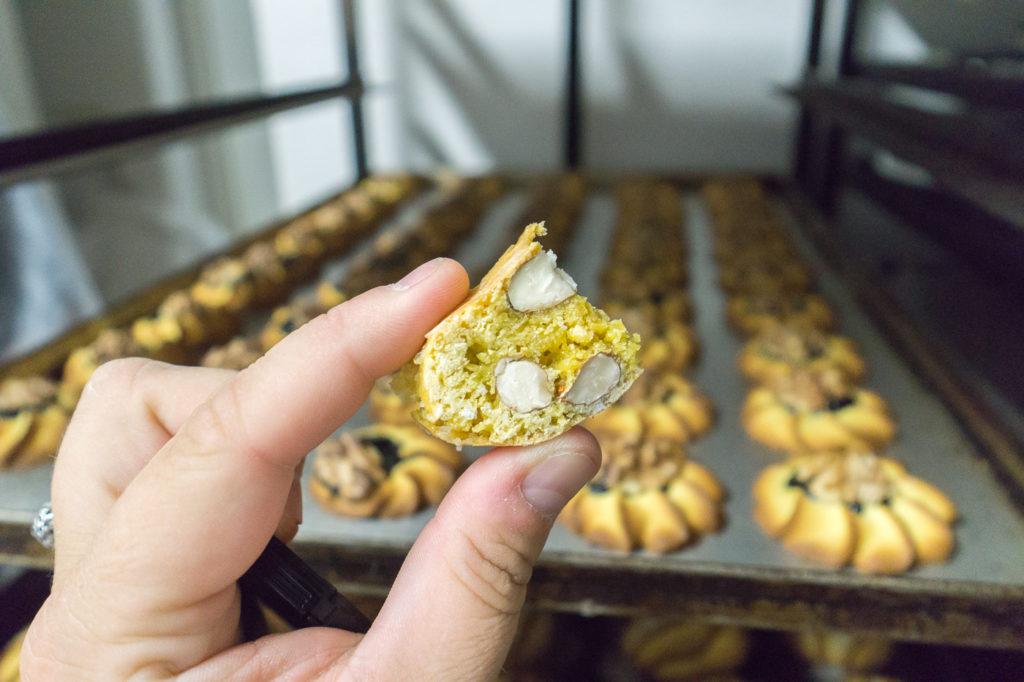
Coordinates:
[493,571]
[112,380]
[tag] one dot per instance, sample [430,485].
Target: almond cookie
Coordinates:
[523,359]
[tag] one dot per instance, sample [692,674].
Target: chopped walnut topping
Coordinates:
[237,354]
[805,391]
[848,478]
[261,256]
[28,392]
[112,344]
[354,467]
[638,464]
[792,345]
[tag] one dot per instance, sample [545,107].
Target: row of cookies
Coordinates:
[452,213]
[834,500]
[393,467]
[648,493]
[34,411]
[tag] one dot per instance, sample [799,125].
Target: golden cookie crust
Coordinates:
[383,470]
[854,508]
[453,375]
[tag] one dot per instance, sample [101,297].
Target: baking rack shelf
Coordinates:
[739,575]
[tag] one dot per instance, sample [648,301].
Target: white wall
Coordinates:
[668,85]
[689,85]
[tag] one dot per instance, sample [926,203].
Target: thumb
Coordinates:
[453,609]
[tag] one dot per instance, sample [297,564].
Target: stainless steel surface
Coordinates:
[990,535]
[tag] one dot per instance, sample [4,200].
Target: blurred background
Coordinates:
[476,86]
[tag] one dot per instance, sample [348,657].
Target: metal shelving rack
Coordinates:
[852,104]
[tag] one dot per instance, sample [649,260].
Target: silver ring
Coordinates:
[42,526]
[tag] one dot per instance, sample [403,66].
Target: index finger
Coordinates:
[219,485]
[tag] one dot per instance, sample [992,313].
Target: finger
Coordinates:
[219,486]
[453,609]
[128,411]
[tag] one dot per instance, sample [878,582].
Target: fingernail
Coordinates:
[417,275]
[554,481]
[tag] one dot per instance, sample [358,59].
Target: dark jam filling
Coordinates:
[596,487]
[288,326]
[388,450]
[836,404]
[10,413]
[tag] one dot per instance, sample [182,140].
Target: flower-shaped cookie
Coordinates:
[807,410]
[237,354]
[674,648]
[670,407]
[383,470]
[648,494]
[224,287]
[778,350]
[286,319]
[31,422]
[756,312]
[111,344]
[523,359]
[856,508]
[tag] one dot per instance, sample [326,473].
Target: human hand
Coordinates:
[171,480]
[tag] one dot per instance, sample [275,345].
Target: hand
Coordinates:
[171,480]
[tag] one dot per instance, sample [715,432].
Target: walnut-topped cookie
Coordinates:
[523,359]
[382,470]
[857,508]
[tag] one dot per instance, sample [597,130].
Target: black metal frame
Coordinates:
[61,149]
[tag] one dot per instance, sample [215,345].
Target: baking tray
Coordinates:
[739,575]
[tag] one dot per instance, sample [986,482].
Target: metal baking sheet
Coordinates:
[739,574]
[990,534]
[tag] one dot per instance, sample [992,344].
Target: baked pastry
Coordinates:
[523,359]
[286,319]
[31,422]
[388,407]
[843,649]
[673,648]
[756,312]
[237,354]
[669,344]
[269,275]
[224,286]
[807,410]
[750,274]
[382,470]
[647,494]
[10,658]
[780,349]
[332,226]
[111,344]
[300,249]
[671,407]
[328,295]
[857,508]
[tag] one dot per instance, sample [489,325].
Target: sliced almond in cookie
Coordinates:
[490,372]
